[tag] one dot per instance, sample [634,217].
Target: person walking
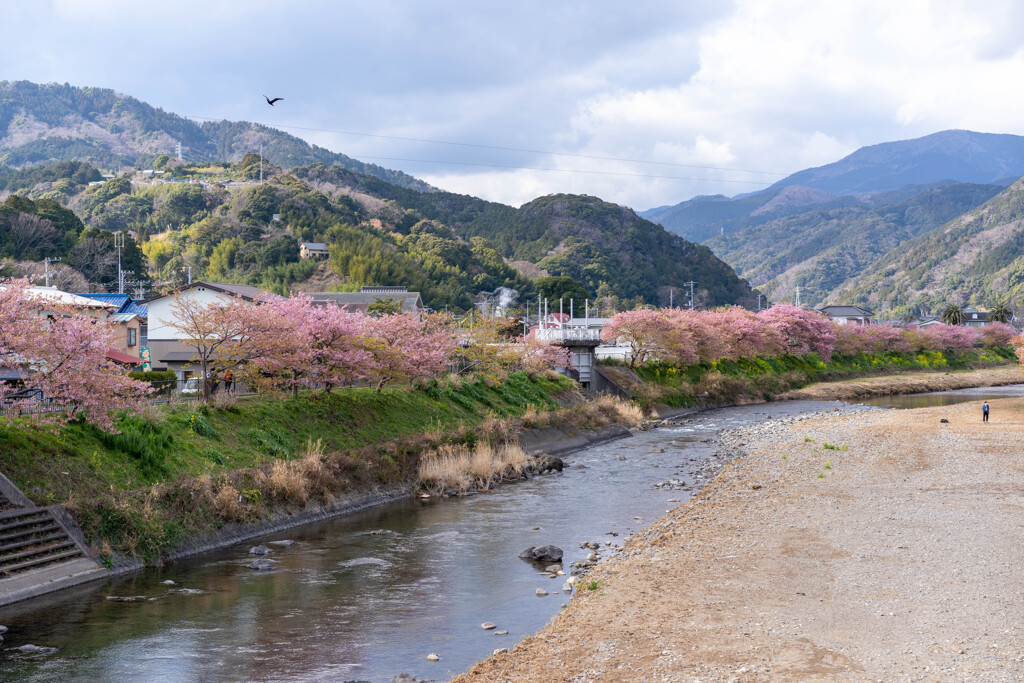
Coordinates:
[229,381]
[984,411]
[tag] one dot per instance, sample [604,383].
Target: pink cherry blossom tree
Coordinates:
[403,348]
[644,330]
[803,331]
[60,355]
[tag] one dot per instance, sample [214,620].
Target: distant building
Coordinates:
[974,317]
[847,314]
[314,250]
[360,301]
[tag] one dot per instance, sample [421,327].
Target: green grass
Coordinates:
[763,378]
[80,462]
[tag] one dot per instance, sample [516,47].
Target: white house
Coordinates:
[166,349]
[847,315]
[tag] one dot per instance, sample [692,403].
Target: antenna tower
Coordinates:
[47,261]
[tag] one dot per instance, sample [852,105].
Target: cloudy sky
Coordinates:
[641,103]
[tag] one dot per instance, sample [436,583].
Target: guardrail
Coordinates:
[568,334]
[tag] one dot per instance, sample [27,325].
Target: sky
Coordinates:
[639,103]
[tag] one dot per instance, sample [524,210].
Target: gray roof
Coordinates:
[122,317]
[840,311]
[315,246]
[411,301]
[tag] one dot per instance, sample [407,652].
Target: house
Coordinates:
[360,301]
[132,317]
[132,322]
[167,351]
[975,317]
[923,321]
[314,250]
[843,314]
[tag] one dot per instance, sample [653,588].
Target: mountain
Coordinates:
[882,173]
[960,155]
[218,222]
[54,122]
[823,248]
[973,259]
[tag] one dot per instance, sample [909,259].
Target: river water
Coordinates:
[364,597]
[944,398]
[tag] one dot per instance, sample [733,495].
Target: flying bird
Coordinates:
[271,101]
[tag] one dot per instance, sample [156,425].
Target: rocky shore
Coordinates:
[879,545]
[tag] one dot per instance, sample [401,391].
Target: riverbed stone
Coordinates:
[286,543]
[261,565]
[168,582]
[593,557]
[259,550]
[500,651]
[552,569]
[567,587]
[541,592]
[487,626]
[433,657]
[3,630]
[501,633]
[542,553]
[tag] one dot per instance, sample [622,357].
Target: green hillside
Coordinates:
[971,260]
[449,247]
[819,250]
[55,122]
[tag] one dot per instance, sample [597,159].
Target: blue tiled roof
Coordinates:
[124,303]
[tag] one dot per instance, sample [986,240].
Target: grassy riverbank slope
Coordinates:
[765,379]
[881,545]
[177,470]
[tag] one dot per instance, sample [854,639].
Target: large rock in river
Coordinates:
[542,553]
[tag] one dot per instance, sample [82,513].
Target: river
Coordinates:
[364,597]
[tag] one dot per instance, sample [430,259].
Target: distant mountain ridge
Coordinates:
[41,123]
[947,156]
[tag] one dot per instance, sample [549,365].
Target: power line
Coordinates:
[563,170]
[498,147]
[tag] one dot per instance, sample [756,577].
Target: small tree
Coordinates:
[1000,311]
[403,348]
[953,315]
[220,333]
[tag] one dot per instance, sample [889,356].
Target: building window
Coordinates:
[131,336]
[144,335]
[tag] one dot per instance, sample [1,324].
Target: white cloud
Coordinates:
[761,85]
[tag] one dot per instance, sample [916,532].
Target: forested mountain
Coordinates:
[450,247]
[879,174]
[819,250]
[973,259]
[54,122]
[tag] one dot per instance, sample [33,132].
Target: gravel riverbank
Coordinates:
[881,545]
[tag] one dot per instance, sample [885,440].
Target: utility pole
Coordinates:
[119,245]
[47,261]
[691,283]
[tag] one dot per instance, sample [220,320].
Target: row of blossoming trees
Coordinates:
[279,344]
[685,337]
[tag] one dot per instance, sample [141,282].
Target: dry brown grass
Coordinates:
[460,467]
[627,412]
[227,503]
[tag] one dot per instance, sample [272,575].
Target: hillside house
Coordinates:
[167,351]
[131,316]
[313,250]
[975,317]
[843,314]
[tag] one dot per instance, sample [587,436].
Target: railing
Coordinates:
[568,334]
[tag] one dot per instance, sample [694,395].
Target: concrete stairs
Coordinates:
[39,549]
